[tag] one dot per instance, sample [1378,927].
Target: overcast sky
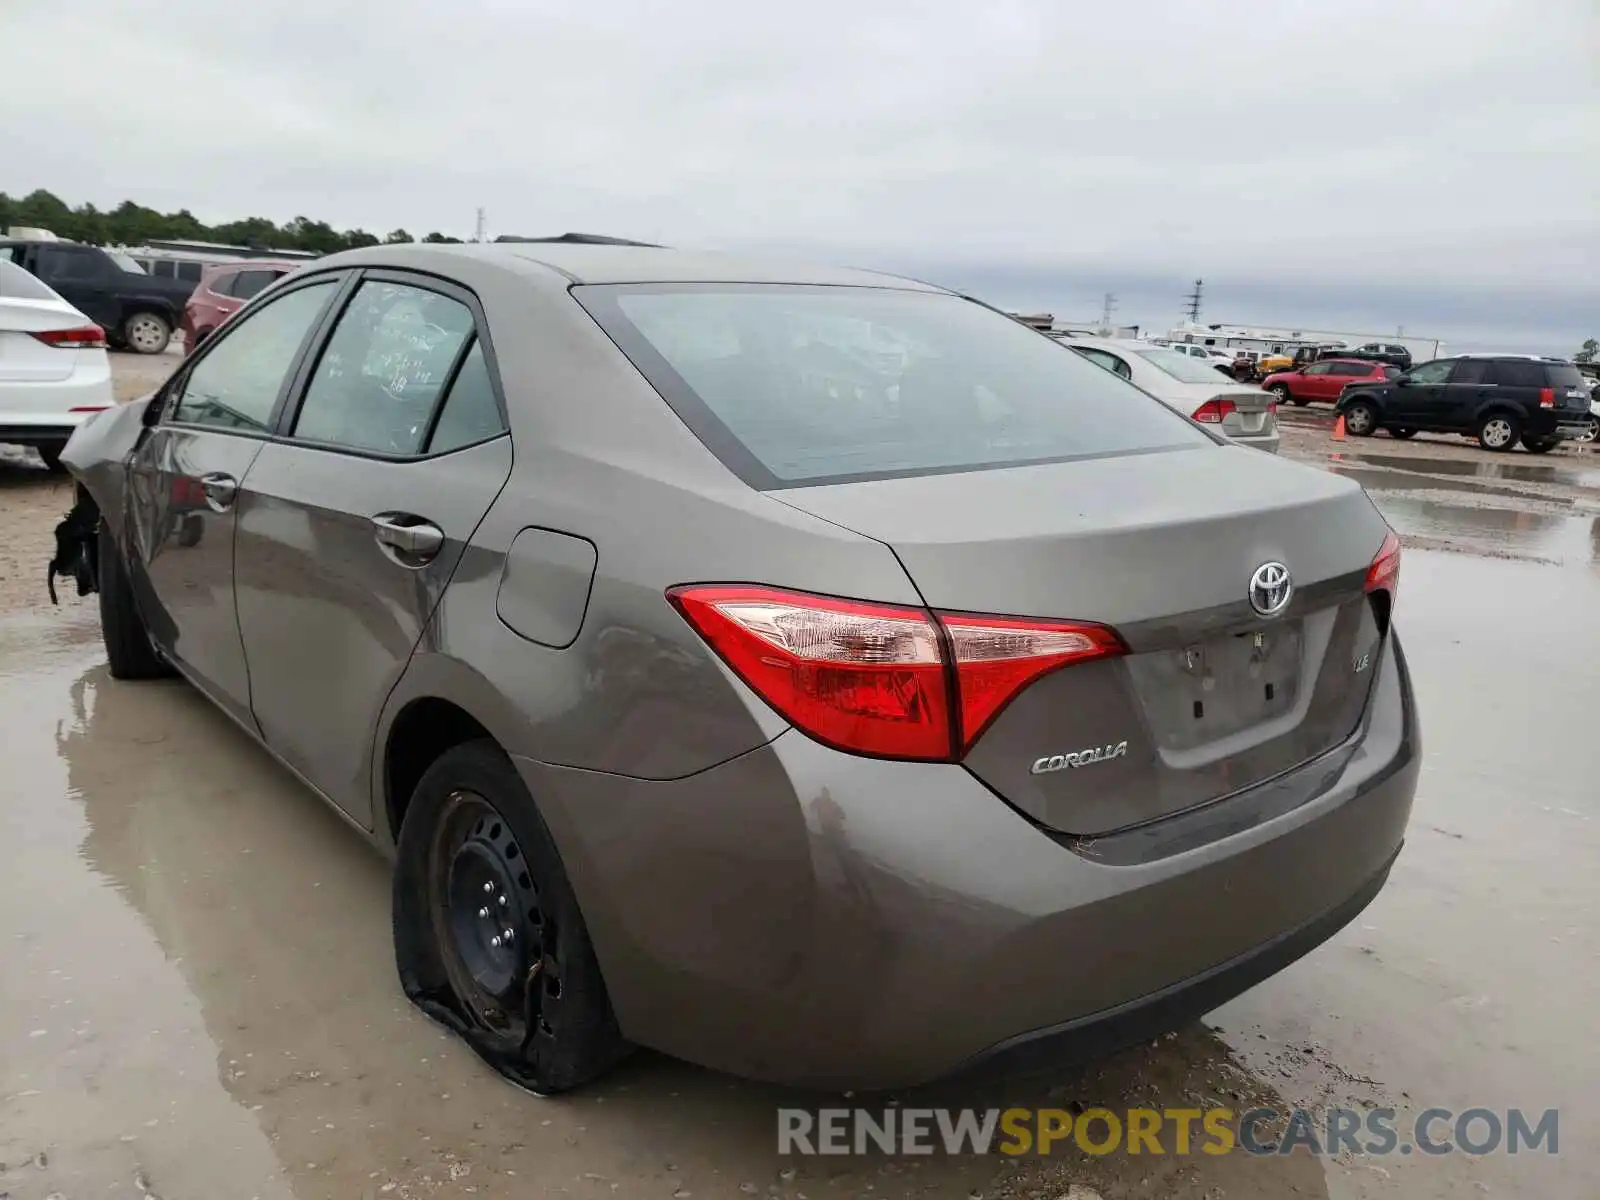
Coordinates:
[1365,164]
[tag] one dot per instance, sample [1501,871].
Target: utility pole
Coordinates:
[1106,310]
[483,227]
[1192,301]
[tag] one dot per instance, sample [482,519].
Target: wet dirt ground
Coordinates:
[197,993]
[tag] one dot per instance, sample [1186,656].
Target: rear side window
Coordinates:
[385,367]
[793,384]
[236,382]
[1109,361]
[470,413]
[248,283]
[68,265]
[1509,373]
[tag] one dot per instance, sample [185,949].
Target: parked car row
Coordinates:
[1500,400]
[136,311]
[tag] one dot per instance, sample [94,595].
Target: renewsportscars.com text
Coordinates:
[1259,1131]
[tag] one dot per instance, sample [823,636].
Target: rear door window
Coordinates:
[470,414]
[235,383]
[794,384]
[1471,370]
[385,368]
[1509,373]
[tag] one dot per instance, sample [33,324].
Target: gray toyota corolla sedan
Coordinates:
[809,673]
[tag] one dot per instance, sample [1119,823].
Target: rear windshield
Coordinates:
[1563,376]
[1180,366]
[792,384]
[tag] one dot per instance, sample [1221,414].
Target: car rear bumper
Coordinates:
[1259,441]
[814,918]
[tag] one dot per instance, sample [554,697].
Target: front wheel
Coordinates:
[146,333]
[1499,432]
[489,939]
[129,651]
[1361,419]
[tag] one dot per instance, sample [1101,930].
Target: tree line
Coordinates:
[131,224]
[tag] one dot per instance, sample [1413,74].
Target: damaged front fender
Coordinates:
[97,455]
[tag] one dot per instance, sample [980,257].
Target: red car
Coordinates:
[223,290]
[1326,379]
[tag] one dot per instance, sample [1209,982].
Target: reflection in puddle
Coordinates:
[1517,472]
[1404,481]
[1509,531]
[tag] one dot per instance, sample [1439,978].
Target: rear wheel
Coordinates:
[50,452]
[146,333]
[489,939]
[129,651]
[1402,433]
[1499,432]
[1361,419]
[1540,445]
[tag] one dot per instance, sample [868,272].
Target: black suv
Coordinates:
[137,311]
[1499,401]
[1385,352]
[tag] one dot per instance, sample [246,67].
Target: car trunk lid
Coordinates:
[1212,697]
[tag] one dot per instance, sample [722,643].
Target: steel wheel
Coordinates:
[486,916]
[146,333]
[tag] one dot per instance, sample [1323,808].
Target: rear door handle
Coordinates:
[411,536]
[220,490]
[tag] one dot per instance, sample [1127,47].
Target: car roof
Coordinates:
[582,262]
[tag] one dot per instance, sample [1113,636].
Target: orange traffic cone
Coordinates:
[1338,429]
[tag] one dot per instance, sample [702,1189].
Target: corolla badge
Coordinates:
[1270,589]
[1079,758]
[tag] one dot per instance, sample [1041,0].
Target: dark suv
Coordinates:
[1385,352]
[138,311]
[1499,401]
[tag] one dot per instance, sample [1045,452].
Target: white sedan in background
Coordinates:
[54,372]
[1242,411]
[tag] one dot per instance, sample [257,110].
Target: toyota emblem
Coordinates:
[1270,589]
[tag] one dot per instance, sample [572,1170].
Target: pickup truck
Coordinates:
[138,311]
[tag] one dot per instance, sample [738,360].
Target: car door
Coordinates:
[78,275]
[1417,398]
[1470,386]
[1314,383]
[213,418]
[353,520]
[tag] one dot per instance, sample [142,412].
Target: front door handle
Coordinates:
[220,490]
[413,537]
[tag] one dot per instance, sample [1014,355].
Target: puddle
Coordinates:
[1503,532]
[1397,481]
[1559,474]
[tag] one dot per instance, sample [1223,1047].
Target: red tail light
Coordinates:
[1212,412]
[1547,397]
[876,679]
[1384,573]
[84,337]
[996,657]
